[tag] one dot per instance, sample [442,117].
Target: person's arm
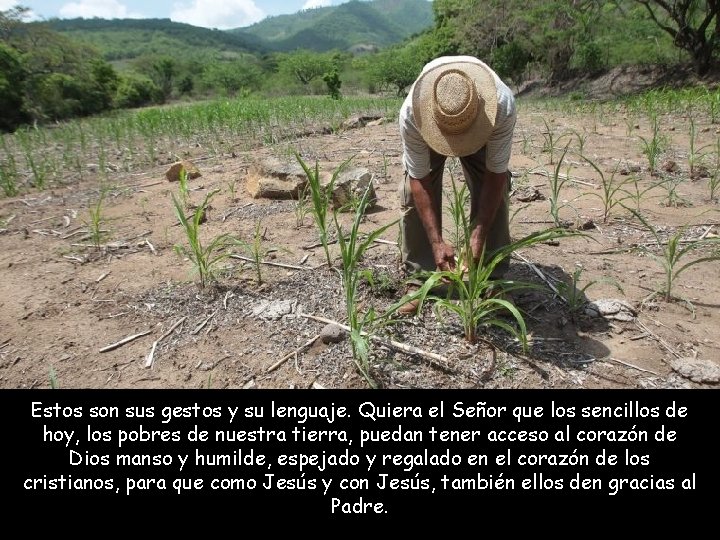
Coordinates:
[485,205]
[429,210]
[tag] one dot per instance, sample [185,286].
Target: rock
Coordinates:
[670,166]
[699,371]
[611,308]
[350,186]
[332,333]
[528,194]
[273,179]
[629,169]
[587,225]
[355,122]
[273,310]
[173,173]
[699,172]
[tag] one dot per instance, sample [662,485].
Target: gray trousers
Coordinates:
[417,254]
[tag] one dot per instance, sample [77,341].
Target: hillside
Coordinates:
[122,39]
[378,23]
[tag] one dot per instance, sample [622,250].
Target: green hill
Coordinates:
[374,24]
[124,39]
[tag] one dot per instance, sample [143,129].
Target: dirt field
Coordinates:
[62,300]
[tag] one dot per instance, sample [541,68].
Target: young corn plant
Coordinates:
[557,182]
[714,179]
[653,147]
[321,198]
[574,294]
[205,258]
[457,203]
[255,250]
[552,141]
[8,177]
[183,187]
[674,251]
[610,189]
[301,207]
[352,248]
[638,193]
[53,377]
[472,290]
[95,220]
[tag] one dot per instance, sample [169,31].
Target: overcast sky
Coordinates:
[208,13]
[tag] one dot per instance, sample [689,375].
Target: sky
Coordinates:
[221,14]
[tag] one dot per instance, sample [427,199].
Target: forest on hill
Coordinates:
[60,69]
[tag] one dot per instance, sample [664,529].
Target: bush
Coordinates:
[589,57]
[509,61]
[136,91]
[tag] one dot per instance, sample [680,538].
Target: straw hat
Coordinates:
[454,106]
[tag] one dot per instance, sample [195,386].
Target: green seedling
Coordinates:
[53,376]
[352,248]
[8,177]
[183,187]
[473,292]
[574,295]
[205,258]
[610,189]
[654,146]
[714,179]
[255,250]
[557,182]
[96,220]
[552,141]
[232,190]
[675,250]
[321,198]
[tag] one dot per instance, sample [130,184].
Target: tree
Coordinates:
[12,81]
[333,82]
[305,66]
[693,25]
[162,70]
[231,77]
[397,68]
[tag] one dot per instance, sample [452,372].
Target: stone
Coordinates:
[272,179]
[670,166]
[699,371]
[275,309]
[332,333]
[528,194]
[611,308]
[355,122]
[173,173]
[628,169]
[350,186]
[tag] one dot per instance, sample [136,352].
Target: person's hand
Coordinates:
[444,256]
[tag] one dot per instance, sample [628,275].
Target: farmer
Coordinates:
[457,107]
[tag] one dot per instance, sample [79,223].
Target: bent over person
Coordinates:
[457,107]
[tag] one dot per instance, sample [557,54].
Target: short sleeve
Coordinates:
[499,147]
[416,152]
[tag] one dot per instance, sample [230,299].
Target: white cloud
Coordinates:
[105,9]
[311,4]
[7,4]
[218,13]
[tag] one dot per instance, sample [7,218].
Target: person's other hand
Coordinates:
[444,256]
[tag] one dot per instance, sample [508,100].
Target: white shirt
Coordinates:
[416,152]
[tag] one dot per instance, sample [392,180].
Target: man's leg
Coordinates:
[499,233]
[416,251]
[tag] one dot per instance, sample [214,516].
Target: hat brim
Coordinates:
[477,135]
